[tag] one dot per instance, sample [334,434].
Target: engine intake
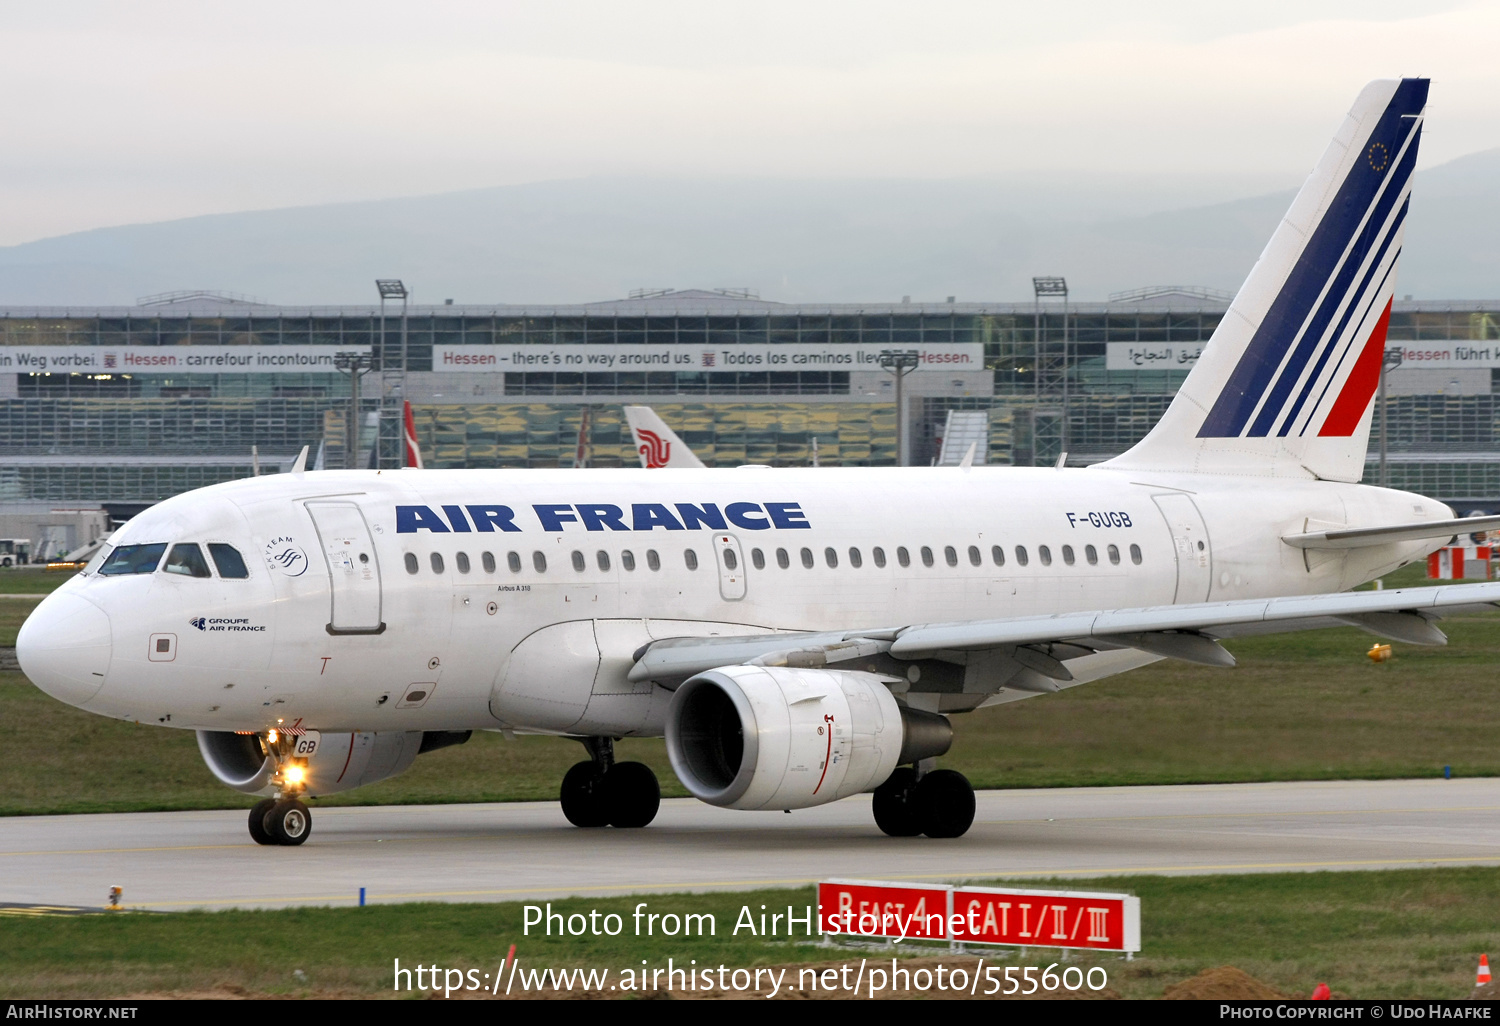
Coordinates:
[772,737]
[341,763]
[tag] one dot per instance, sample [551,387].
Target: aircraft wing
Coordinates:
[1044,644]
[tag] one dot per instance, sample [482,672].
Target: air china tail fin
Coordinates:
[657,444]
[412,453]
[1285,386]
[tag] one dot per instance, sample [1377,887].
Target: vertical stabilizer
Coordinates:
[656,443]
[1285,385]
[411,452]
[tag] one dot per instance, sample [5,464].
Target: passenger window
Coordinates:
[927,559]
[1114,554]
[436,559]
[462,562]
[1091,554]
[229,561]
[1068,554]
[974,557]
[831,557]
[879,555]
[1135,554]
[186,559]
[855,559]
[902,556]
[951,555]
[487,559]
[133,559]
[758,558]
[412,566]
[690,558]
[539,560]
[782,559]
[579,563]
[1044,554]
[807,558]
[513,560]
[1021,558]
[731,561]
[997,555]
[627,560]
[653,561]
[603,558]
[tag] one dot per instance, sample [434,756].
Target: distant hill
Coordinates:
[839,241]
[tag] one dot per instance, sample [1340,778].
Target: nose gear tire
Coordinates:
[631,794]
[583,796]
[895,804]
[946,801]
[258,832]
[289,822]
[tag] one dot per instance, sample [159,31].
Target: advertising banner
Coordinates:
[171,359]
[699,359]
[1414,355]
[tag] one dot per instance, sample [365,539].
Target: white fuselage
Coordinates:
[539,631]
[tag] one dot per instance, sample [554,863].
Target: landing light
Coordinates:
[295,774]
[271,737]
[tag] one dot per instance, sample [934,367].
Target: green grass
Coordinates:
[1407,933]
[29,581]
[1299,707]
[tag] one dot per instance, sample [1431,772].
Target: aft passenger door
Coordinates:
[731,562]
[1190,544]
[353,567]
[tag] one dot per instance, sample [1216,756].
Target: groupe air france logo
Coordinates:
[656,450]
[199,622]
[285,555]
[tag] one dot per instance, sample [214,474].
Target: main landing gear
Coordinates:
[284,819]
[602,792]
[912,801]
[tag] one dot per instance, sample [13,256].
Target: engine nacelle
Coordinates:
[774,737]
[342,761]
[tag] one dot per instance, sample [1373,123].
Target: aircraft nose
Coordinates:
[64,648]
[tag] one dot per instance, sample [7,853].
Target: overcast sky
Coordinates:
[125,113]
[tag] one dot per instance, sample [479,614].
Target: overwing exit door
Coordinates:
[1190,543]
[353,569]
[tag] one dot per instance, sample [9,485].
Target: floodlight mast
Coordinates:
[390,411]
[900,362]
[1051,369]
[353,364]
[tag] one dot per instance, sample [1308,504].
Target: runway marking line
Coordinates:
[1004,874]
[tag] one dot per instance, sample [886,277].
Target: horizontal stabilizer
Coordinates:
[1364,537]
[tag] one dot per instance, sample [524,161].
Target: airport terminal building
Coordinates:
[129,405]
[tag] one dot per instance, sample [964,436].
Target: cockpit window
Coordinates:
[186,559]
[97,559]
[133,559]
[229,561]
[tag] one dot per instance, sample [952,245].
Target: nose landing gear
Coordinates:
[603,792]
[282,820]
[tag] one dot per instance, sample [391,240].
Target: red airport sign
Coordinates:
[981,915]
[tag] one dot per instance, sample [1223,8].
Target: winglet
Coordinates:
[300,463]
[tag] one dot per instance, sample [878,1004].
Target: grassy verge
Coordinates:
[1298,707]
[29,581]
[1410,933]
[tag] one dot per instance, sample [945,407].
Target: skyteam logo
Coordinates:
[286,555]
[199,622]
[1313,364]
[655,449]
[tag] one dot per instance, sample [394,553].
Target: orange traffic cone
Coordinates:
[1322,993]
[1482,979]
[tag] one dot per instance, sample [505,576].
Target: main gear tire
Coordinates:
[289,822]
[583,796]
[632,795]
[946,803]
[258,832]
[895,804]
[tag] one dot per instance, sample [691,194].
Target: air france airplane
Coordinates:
[797,635]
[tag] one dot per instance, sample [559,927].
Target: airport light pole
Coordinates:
[1051,376]
[900,362]
[392,288]
[1390,360]
[353,364]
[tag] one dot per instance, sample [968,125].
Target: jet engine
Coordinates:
[773,737]
[342,761]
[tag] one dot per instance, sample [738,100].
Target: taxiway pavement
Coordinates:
[526,851]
